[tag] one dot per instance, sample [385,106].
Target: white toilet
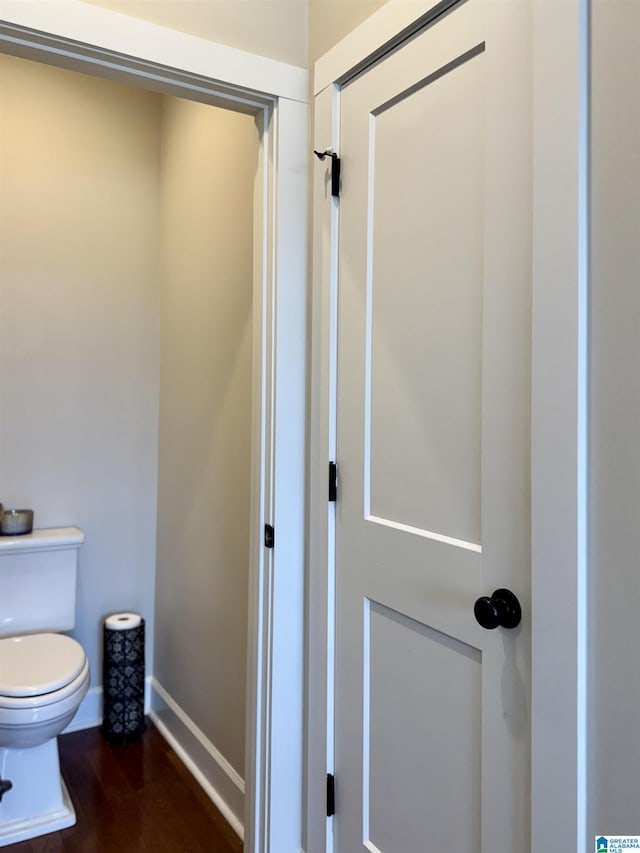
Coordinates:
[44,676]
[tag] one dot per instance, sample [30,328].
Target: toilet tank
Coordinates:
[38,573]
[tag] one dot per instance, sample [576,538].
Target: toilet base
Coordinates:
[39,801]
[42,824]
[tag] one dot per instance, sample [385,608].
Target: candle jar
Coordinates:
[15,522]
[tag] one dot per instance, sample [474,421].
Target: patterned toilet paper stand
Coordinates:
[123,683]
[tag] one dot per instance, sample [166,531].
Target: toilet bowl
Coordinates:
[43,679]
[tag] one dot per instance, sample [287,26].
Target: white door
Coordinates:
[432,710]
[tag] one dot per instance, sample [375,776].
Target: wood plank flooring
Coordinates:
[138,798]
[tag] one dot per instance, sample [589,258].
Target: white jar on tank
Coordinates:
[44,675]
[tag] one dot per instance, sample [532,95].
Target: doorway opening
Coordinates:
[273,703]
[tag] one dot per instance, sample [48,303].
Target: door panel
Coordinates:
[399,700]
[428,358]
[432,727]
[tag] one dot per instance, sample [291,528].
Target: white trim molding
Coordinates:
[317,829]
[223,784]
[82,23]
[559,428]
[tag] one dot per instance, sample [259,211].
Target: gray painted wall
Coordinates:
[614,624]
[209,158]
[331,21]
[79,325]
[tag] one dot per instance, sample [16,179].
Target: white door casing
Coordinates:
[432,711]
[558,416]
[82,37]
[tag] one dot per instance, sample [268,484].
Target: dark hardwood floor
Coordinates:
[138,798]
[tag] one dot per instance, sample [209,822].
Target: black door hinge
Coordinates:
[331,795]
[335,169]
[333,481]
[269,536]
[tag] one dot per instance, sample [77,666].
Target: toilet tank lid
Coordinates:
[46,539]
[38,663]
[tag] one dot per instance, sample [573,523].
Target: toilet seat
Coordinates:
[28,721]
[40,669]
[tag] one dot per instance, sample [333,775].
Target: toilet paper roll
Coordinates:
[122,621]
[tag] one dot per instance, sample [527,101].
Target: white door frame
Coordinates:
[87,38]
[558,413]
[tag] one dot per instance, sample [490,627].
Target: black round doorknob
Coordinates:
[503,609]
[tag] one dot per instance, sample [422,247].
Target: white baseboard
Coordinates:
[212,771]
[89,714]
